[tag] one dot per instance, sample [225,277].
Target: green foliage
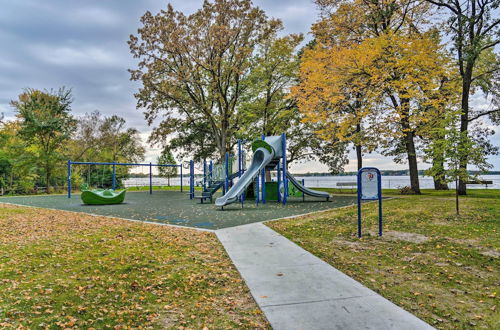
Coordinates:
[167,157]
[45,126]
[453,147]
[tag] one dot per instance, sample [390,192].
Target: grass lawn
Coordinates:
[62,270]
[441,267]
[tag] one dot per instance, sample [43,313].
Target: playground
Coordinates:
[175,208]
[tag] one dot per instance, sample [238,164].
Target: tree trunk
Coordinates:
[412,162]
[464,119]
[439,182]
[409,136]
[47,179]
[359,156]
[359,151]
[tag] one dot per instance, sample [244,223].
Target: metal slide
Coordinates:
[260,159]
[307,191]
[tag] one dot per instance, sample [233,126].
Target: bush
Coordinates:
[406,190]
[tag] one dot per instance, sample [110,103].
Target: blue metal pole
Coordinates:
[204,174]
[379,203]
[211,173]
[150,178]
[240,169]
[263,179]
[226,181]
[257,190]
[303,195]
[69,178]
[279,181]
[191,179]
[359,203]
[285,180]
[181,179]
[113,181]
[240,159]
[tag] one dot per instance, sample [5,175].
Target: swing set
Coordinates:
[105,165]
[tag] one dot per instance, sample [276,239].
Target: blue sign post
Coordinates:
[370,188]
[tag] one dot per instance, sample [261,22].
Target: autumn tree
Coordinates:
[474,27]
[371,73]
[46,125]
[343,25]
[195,68]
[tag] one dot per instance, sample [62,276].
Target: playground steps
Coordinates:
[209,191]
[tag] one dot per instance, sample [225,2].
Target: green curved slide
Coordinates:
[102,197]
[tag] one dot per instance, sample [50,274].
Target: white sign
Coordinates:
[369,184]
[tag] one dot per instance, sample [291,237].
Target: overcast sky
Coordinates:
[83,45]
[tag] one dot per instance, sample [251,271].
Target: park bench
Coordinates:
[483,182]
[352,185]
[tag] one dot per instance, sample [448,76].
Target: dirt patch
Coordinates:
[404,236]
[490,253]
[351,244]
[474,244]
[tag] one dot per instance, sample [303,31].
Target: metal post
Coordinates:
[359,204]
[113,181]
[240,169]
[379,203]
[263,179]
[303,195]
[279,181]
[181,178]
[150,178]
[240,160]
[257,190]
[69,178]
[191,179]
[226,181]
[285,181]
[204,174]
[210,173]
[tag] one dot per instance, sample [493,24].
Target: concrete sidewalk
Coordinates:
[297,290]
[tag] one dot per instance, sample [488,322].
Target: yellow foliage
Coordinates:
[378,82]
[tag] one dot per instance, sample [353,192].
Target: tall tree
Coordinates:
[371,73]
[45,124]
[474,27]
[167,157]
[119,142]
[195,68]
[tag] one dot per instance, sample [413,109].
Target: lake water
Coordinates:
[388,181]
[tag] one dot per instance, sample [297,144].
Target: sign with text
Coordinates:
[370,188]
[369,184]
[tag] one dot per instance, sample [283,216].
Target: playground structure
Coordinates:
[268,154]
[114,172]
[217,176]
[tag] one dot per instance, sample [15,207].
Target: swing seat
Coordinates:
[102,197]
